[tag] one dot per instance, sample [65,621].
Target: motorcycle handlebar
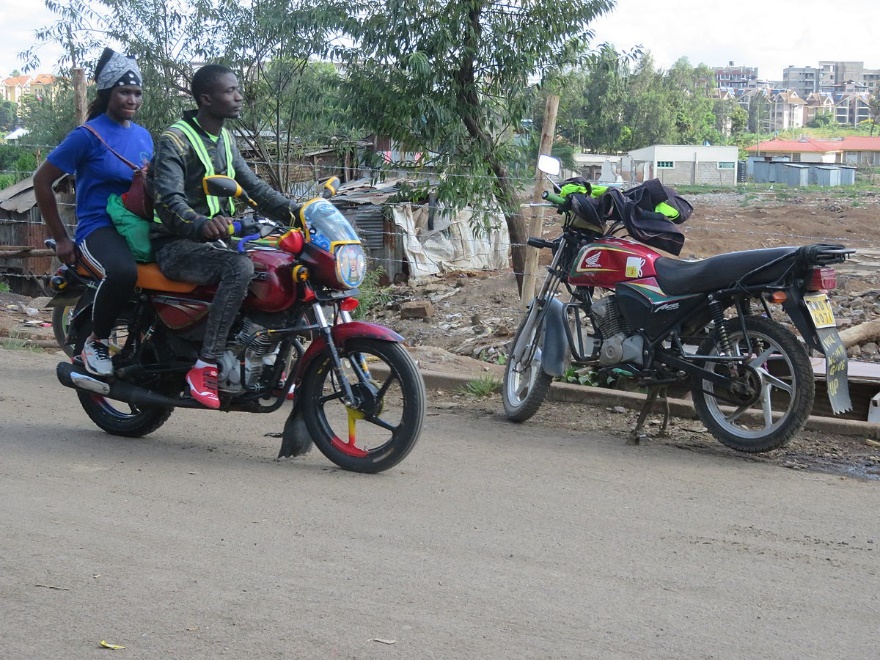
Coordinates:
[553,198]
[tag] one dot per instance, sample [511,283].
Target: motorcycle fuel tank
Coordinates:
[272,288]
[608,261]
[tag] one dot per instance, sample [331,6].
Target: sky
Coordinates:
[768,34]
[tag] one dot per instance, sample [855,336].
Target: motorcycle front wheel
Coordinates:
[525,383]
[771,397]
[383,425]
[117,417]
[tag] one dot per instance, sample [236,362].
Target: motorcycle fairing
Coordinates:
[645,306]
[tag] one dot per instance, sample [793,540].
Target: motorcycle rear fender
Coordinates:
[795,308]
[555,354]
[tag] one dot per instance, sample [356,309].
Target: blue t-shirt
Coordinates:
[98,172]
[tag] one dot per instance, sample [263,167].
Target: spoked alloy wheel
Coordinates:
[386,422]
[118,417]
[525,382]
[772,397]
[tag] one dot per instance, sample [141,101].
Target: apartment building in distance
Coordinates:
[14,88]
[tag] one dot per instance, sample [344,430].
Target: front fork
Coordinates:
[523,352]
[325,326]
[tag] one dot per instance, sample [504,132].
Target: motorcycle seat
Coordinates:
[682,277]
[150,277]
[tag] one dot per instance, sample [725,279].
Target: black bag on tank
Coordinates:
[645,226]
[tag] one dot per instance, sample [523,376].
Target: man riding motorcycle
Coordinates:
[190,220]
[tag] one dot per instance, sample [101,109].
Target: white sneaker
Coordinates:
[96,358]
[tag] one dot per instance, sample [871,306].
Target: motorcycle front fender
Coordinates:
[295,438]
[342,334]
[555,353]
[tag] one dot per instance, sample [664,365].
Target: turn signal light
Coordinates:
[348,304]
[822,279]
[778,297]
[300,273]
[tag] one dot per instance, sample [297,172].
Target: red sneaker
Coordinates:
[202,383]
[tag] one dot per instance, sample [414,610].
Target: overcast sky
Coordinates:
[768,34]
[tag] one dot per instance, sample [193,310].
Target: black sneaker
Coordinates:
[96,358]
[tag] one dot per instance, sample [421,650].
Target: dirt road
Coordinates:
[490,541]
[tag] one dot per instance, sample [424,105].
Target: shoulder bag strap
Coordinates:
[109,148]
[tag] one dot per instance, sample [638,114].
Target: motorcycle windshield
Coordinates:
[324,219]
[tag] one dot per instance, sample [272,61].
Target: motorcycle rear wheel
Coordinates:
[379,433]
[778,370]
[60,323]
[525,382]
[117,417]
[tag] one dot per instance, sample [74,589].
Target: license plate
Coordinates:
[820,311]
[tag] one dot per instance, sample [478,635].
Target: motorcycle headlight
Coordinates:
[351,265]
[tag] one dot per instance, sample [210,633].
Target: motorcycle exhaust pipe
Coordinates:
[71,376]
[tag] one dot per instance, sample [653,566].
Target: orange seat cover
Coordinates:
[150,277]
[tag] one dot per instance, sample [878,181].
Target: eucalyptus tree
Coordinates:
[449,80]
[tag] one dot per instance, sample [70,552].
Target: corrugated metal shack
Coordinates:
[21,226]
[419,240]
[363,203]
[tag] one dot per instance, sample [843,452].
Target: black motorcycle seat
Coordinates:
[681,277]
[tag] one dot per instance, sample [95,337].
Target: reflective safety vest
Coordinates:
[214,202]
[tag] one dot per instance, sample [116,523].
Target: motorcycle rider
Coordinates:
[99,174]
[190,221]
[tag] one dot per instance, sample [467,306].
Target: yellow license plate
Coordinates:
[820,311]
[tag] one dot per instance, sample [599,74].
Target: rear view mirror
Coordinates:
[549,165]
[222,186]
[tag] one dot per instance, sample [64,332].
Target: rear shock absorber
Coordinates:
[720,327]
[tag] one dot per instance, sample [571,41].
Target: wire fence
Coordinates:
[705,228]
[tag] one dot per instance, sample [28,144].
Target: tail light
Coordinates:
[822,279]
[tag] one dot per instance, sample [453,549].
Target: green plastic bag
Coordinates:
[134,229]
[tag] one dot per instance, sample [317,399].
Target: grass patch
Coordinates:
[482,387]
[4,287]
[16,342]
[371,294]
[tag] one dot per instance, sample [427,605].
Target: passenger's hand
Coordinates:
[216,227]
[65,249]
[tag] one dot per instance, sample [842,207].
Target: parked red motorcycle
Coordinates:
[706,325]
[358,395]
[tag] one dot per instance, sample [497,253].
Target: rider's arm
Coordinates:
[270,201]
[167,181]
[44,178]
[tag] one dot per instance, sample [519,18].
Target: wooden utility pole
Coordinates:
[536,226]
[79,95]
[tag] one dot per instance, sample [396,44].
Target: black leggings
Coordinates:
[107,253]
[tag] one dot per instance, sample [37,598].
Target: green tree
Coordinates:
[448,82]
[823,119]
[48,119]
[8,115]
[647,109]
[874,109]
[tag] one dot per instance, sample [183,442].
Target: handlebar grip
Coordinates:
[540,243]
[553,198]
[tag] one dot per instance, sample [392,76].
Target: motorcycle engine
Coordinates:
[258,352]
[618,345]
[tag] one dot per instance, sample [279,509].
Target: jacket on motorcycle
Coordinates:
[175,176]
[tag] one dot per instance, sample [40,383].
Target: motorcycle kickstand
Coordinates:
[637,434]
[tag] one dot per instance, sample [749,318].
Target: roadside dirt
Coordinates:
[473,315]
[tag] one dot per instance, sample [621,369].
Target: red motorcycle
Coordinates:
[357,394]
[706,325]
